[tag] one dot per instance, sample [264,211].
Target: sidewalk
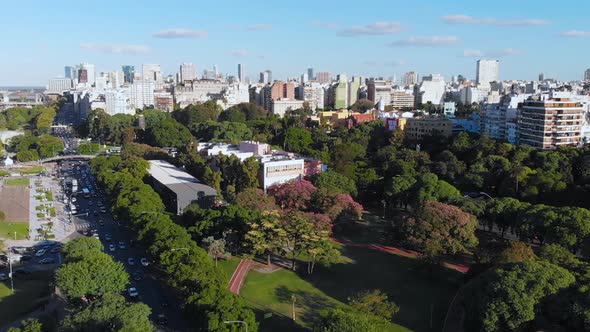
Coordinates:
[237,279]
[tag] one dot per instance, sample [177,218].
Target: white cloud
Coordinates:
[575,33]
[470,53]
[115,48]
[465,19]
[239,53]
[259,27]
[180,33]
[427,41]
[322,24]
[377,28]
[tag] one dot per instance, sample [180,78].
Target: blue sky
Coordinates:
[368,38]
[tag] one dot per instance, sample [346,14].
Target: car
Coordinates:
[41,252]
[107,237]
[122,245]
[144,261]
[132,291]
[163,302]
[48,260]
[162,319]
[130,261]
[84,232]
[74,199]
[56,249]
[112,247]
[94,231]
[95,213]
[137,276]
[3,277]
[25,258]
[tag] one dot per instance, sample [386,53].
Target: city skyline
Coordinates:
[290,39]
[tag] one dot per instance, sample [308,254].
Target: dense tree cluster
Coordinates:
[92,282]
[191,271]
[37,119]
[30,148]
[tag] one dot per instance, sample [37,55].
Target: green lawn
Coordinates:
[22,182]
[49,196]
[29,295]
[228,266]
[31,170]
[423,293]
[7,229]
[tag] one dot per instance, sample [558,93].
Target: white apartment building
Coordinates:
[402,99]
[141,93]
[279,169]
[117,103]
[432,90]
[282,106]
[151,73]
[551,122]
[188,72]
[410,78]
[90,72]
[236,93]
[314,94]
[59,84]
[497,119]
[199,91]
[487,71]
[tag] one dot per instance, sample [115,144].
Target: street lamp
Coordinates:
[237,321]
[10,269]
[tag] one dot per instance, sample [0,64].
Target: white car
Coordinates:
[40,252]
[144,261]
[133,292]
[112,247]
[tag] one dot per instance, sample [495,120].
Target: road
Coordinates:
[99,218]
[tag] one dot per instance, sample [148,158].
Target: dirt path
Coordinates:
[399,252]
[237,279]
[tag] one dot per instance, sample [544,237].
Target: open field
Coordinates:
[14,202]
[29,296]
[23,182]
[31,170]
[422,292]
[228,266]
[7,229]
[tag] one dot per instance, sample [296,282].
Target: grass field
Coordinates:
[228,266]
[29,296]
[422,292]
[31,170]
[7,229]
[22,182]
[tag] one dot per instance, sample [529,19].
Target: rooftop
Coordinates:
[167,173]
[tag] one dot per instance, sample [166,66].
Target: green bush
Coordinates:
[88,148]
[40,215]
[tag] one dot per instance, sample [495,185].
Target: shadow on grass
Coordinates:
[31,292]
[312,302]
[423,292]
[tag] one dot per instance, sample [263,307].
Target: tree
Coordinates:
[517,252]
[335,183]
[29,325]
[264,236]
[95,275]
[362,105]
[321,250]
[256,199]
[374,302]
[168,133]
[506,298]
[339,320]
[297,140]
[226,131]
[439,229]
[29,155]
[110,313]
[81,248]
[88,148]
[294,194]
[215,248]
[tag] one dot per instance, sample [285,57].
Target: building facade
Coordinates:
[59,84]
[487,71]
[187,72]
[416,128]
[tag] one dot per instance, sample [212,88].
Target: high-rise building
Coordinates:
[188,72]
[141,93]
[265,77]
[379,91]
[152,73]
[59,84]
[541,77]
[82,76]
[324,77]
[310,74]
[487,71]
[550,123]
[241,74]
[90,73]
[69,72]
[128,73]
[410,78]
[587,75]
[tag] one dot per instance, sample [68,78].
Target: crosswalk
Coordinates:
[88,225]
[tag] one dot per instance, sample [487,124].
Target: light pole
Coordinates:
[10,269]
[237,321]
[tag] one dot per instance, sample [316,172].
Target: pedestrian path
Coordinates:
[237,279]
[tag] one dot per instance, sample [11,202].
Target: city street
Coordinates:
[93,215]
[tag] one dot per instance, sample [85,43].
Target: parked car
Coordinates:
[40,252]
[133,292]
[122,245]
[48,260]
[22,271]
[56,249]
[3,277]
[130,261]
[107,237]
[162,319]
[112,247]
[26,258]
[137,276]
[144,261]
